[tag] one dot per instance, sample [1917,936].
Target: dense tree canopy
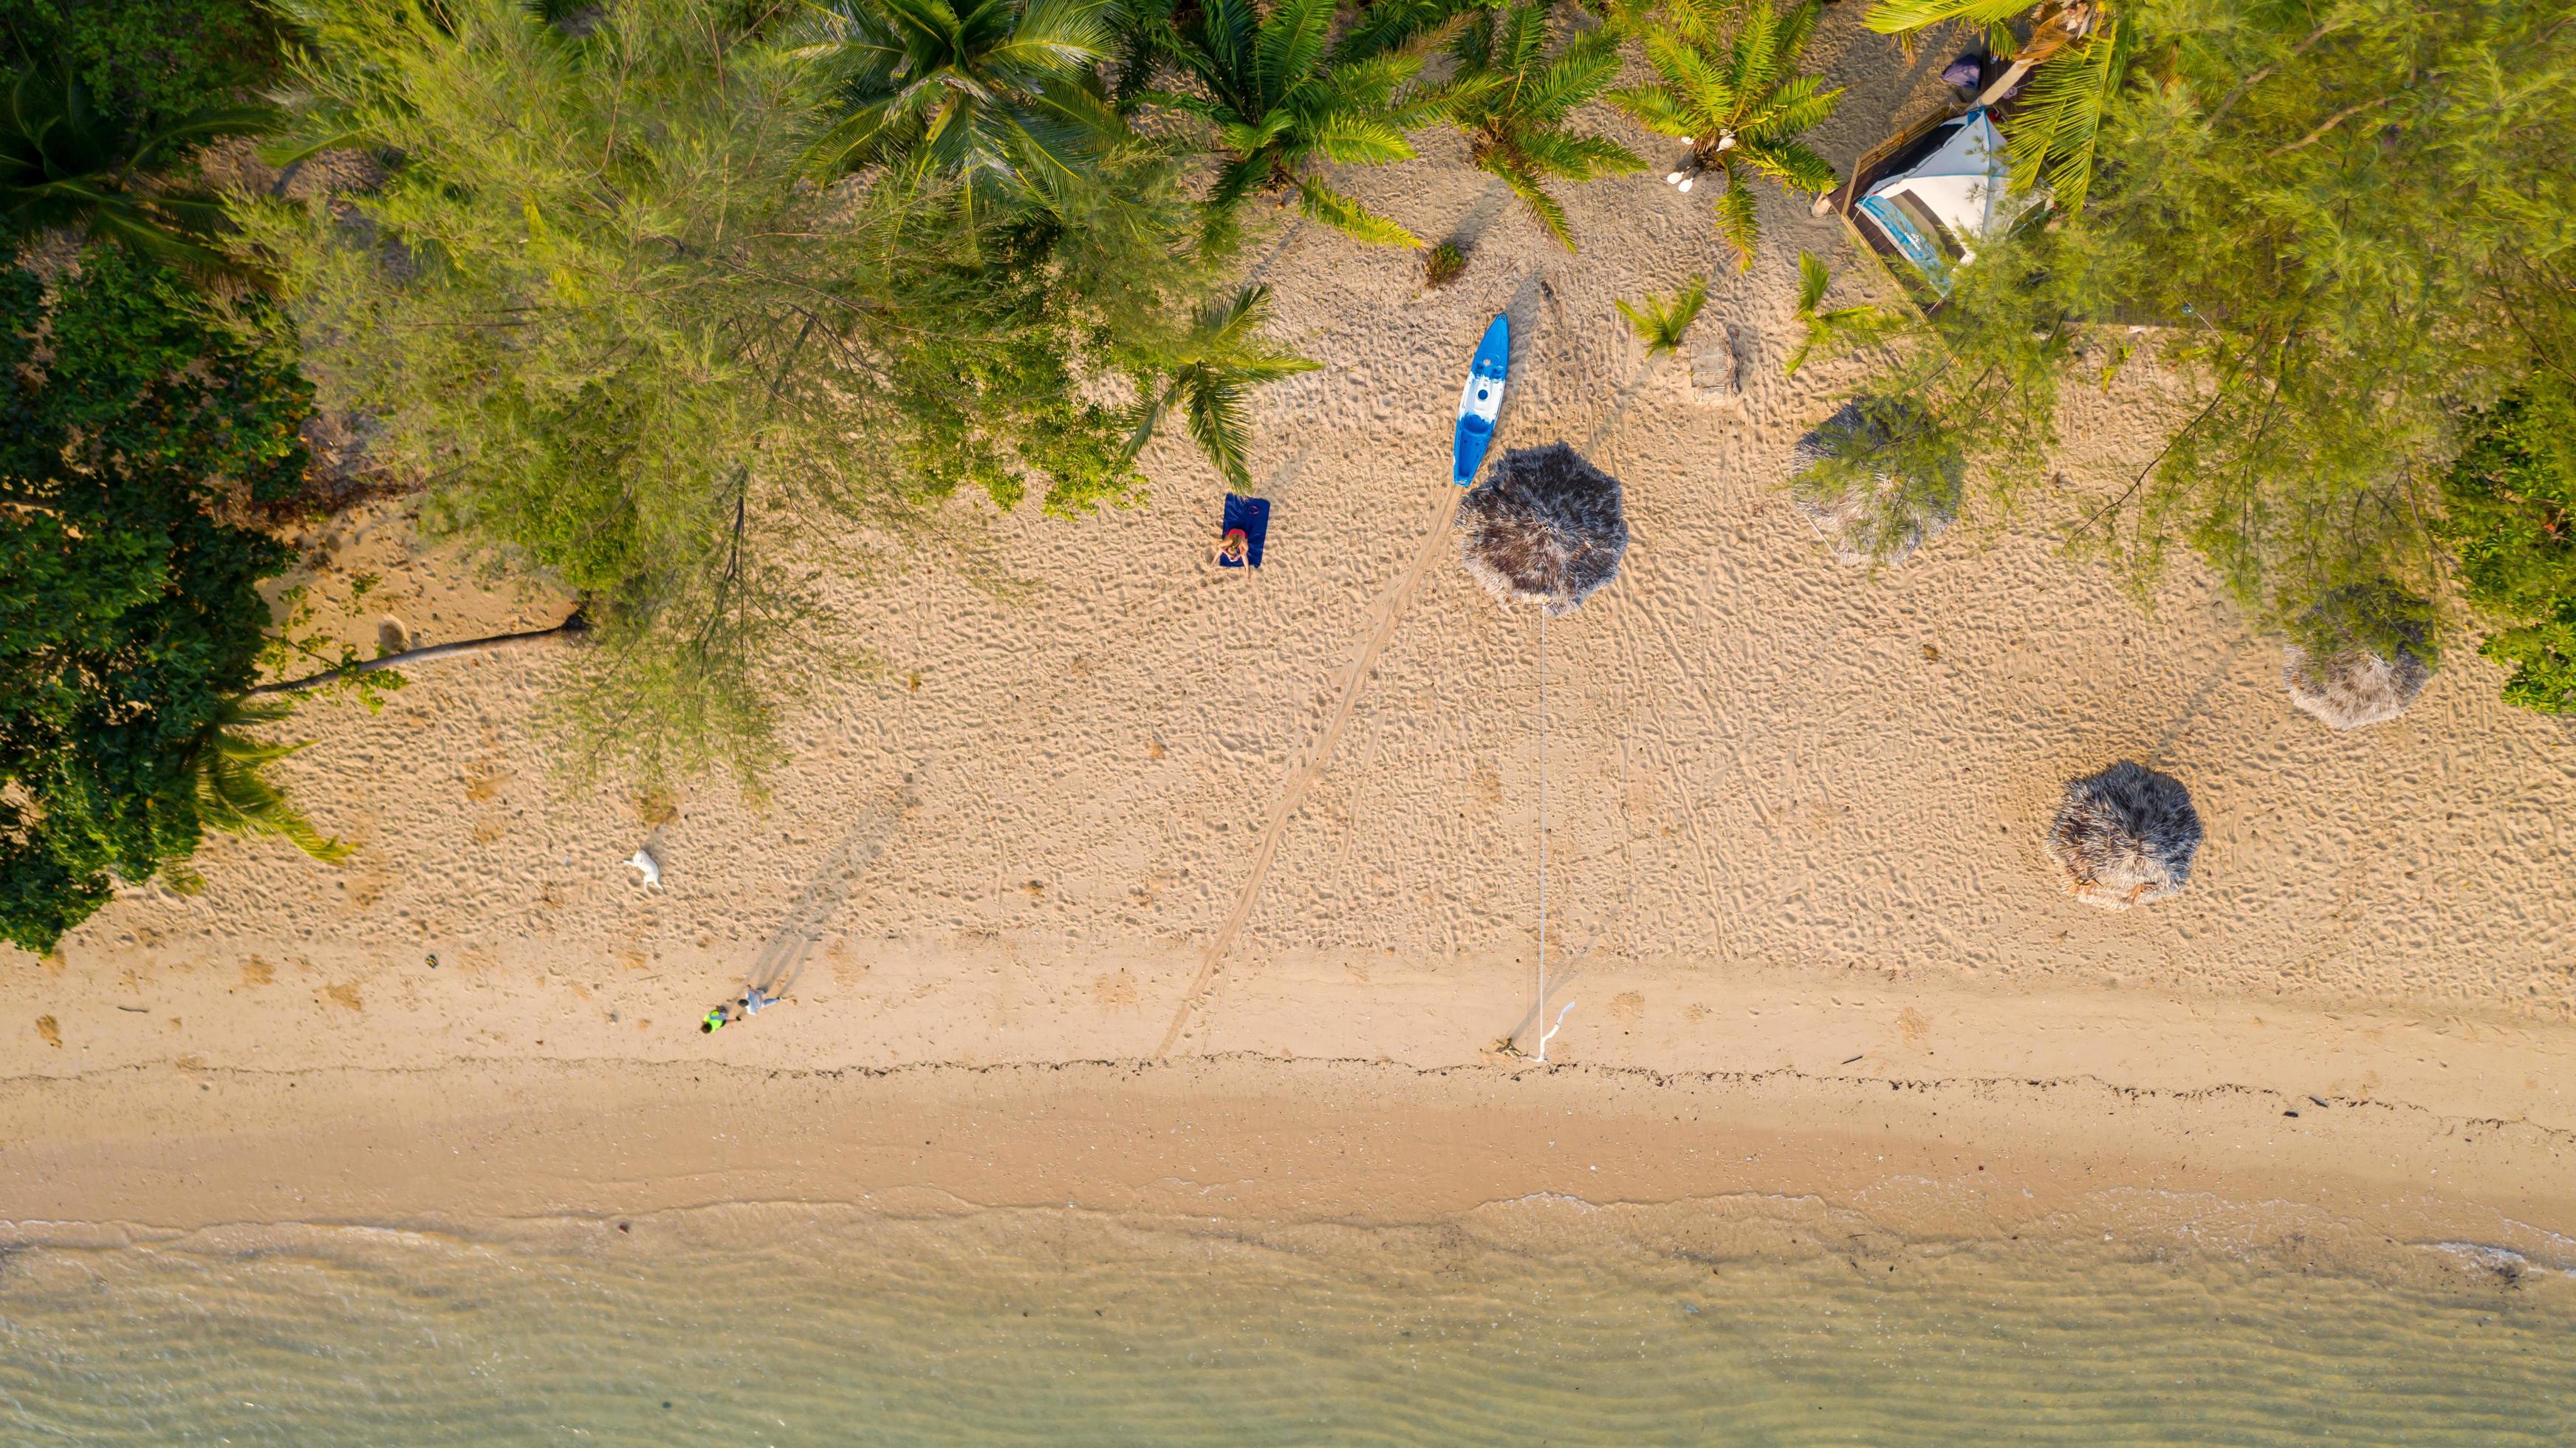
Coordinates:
[129,607]
[602,301]
[2331,218]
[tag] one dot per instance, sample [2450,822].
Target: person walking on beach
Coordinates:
[714,1020]
[753,1001]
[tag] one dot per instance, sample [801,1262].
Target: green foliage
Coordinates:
[1739,101]
[64,162]
[234,797]
[1443,264]
[1661,321]
[1210,371]
[130,616]
[601,305]
[1283,103]
[155,63]
[2081,54]
[1000,95]
[1907,470]
[2375,615]
[1836,329]
[1512,100]
[2322,218]
[2511,517]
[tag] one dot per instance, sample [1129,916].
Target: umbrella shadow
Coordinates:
[1563,974]
[781,961]
[2198,708]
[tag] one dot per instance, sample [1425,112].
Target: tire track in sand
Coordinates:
[1302,775]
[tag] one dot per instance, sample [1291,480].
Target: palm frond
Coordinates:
[1578,158]
[1214,408]
[1900,17]
[1755,56]
[1550,213]
[1359,139]
[1057,35]
[1800,104]
[1737,223]
[2057,126]
[1698,88]
[1522,37]
[1575,76]
[1367,82]
[1655,108]
[1322,203]
[1813,278]
[1212,367]
[1790,164]
[1291,43]
[1393,25]
[235,798]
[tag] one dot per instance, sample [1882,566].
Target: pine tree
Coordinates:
[2322,219]
[631,342]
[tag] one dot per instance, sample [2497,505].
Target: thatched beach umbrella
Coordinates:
[2125,836]
[1545,526]
[2363,658]
[2355,687]
[1856,480]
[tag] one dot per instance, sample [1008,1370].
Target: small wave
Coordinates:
[2502,1263]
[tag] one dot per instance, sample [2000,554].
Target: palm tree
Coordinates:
[1000,95]
[1512,102]
[1207,371]
[233,797]
[1662,322]
[1838,329]
[64,163]
[1282,104]
[2057,121]
[1741,105]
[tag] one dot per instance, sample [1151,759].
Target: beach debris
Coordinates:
[643,860]
[2363,655]
[2125,836]
[1869,488]
[391,636]
[1545,526]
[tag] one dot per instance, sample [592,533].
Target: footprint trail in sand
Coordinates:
[1303,773]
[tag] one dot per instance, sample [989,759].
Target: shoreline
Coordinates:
[2423,1131]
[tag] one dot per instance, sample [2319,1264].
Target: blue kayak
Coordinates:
[1482,401]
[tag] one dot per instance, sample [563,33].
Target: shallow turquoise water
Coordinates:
[1741,1321]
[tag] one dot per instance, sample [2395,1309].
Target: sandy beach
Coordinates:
[1103,877]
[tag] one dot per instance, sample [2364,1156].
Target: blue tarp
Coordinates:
[1252,517]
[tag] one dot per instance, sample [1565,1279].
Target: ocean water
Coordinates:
[1743,1320]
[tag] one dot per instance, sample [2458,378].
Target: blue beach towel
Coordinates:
[1250,516]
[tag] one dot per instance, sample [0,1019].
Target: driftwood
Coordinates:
[573,626]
